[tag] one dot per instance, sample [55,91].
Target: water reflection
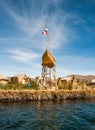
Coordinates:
[47,115]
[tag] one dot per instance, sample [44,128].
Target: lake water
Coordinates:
[67,115]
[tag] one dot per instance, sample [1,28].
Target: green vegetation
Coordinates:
[19,86]
[68,87]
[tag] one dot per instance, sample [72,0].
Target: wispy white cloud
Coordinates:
[23,55]
[33,26]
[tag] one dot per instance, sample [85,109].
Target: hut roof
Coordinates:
[21,77]
[48,59]
[66,78]
[93,81]
[3,77]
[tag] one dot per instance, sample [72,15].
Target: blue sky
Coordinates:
[71,25]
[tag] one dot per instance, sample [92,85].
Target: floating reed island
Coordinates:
[34,95]
[21,87]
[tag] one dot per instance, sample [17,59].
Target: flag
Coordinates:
[45,32]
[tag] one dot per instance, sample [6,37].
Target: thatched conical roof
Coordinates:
[48,59]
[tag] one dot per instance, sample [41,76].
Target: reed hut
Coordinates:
[22,78]
[14,79]
[3,79]
[68,82]
[92,82]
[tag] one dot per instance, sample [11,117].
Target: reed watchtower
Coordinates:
[48,70]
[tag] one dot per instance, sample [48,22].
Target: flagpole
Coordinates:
[47,42]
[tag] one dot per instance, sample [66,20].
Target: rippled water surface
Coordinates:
[67,115]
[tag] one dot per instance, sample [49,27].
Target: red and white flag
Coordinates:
[45,32]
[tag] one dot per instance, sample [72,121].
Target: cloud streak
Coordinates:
[23,55]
